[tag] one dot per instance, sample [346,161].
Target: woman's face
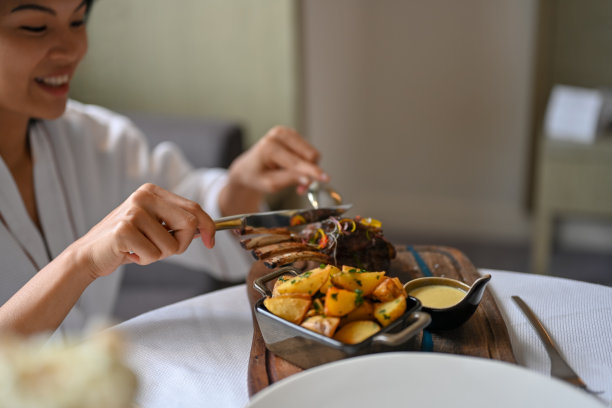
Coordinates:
[41,44]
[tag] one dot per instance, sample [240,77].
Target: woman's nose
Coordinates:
[69,46]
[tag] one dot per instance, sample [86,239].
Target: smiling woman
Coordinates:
[82,194]
[44,41]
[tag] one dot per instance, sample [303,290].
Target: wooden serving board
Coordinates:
[484,335]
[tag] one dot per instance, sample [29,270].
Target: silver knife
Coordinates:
[282,218]
[559,368]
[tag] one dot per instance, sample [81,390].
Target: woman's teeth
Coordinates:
[54,81]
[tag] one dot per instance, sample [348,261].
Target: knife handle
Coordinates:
[229,223]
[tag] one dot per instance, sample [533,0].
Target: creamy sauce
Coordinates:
[438,296]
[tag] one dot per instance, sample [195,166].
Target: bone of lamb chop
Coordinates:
[357,242]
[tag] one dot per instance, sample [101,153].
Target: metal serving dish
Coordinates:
[306,348]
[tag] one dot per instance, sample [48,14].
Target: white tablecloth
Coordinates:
[195,353]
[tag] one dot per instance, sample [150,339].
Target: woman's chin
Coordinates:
[51,112]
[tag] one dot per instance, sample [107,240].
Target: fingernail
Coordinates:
[324,177]
[301,189]
[303,180]
[212,241]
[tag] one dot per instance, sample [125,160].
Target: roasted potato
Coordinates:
[279,281]
[325,325]
[364,311]
[357,331]
[308,282]
[388,289]
[328,283]
[353,279]
[289,307]
[340,302]
[349,304]
[387,312]
[316,308]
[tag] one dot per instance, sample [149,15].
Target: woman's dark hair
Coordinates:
[88,4]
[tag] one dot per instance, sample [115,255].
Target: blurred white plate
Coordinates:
[420,380]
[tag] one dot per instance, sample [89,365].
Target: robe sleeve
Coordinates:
[122,159]
[227,260]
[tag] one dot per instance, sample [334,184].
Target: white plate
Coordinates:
[403,379]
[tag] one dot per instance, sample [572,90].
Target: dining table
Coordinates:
[196,353]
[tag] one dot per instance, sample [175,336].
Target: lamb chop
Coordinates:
[357,242]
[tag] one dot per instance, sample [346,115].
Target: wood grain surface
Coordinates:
[484,335]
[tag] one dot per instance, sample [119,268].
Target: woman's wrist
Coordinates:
[237,199]
[79,265]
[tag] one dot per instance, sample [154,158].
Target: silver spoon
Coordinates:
[320,194]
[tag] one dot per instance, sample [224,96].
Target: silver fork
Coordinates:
[314,195]
[559,368]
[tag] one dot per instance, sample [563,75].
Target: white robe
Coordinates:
[85,164]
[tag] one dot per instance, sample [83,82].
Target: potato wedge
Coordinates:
[325,325]
[354,279]
[292,308]
[348,268]
[328,283]
[308,282]
[388,289]
[279,281]
[357,331]
[316,308]
[340,302]
[365,311]
[387,312]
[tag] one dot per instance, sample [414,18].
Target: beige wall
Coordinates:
[422,110]
[233,59]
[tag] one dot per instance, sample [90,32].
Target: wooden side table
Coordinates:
[572,179]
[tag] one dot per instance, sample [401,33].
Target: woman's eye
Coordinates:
[34,29]
[77,23]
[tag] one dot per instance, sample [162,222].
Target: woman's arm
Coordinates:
[282,158]
[45,300]
[136,231]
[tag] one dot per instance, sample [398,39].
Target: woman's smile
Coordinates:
[41,43]
[54,84]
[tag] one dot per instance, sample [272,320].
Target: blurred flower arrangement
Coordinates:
[78,374]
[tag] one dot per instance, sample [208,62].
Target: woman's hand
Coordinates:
[282,158]
[138,230]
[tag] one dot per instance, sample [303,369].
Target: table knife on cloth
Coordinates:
[559,368]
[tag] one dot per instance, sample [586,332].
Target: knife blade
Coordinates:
[559,368]
[281,218]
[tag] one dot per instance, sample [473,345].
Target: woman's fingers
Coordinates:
[183,217]
[158,223]
[284,151]
[138,244]
[150,225]
[292,141]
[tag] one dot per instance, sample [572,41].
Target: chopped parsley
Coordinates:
[359,298]
[358,282]
[334,296]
